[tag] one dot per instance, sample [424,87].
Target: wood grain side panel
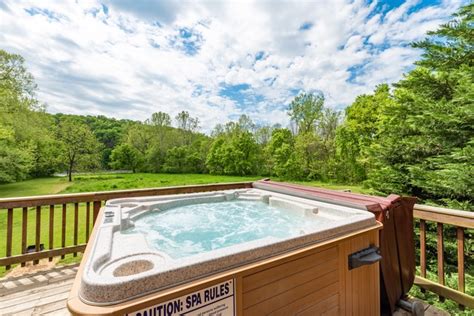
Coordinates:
[278,301]
[361,284]
[288,283]
[238,295]
[325,307]
[311,302]
[284,270]
[343,266]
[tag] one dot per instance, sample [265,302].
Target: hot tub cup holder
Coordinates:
[132,265]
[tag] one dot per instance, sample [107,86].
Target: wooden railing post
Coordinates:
[38,232]
[51,229]
[96,209]
[9,235]
[88,220]
[441,279]
[63,229]
[24,230]
[76,226]
[423,248]
[460,240]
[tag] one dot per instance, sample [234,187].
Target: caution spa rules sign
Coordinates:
[216,300]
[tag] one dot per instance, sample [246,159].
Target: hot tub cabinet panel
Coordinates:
[318,282]
[314,280]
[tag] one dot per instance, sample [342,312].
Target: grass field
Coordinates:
[107,182]
[41,186]
[121,181]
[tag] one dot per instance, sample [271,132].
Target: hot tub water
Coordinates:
[197,228]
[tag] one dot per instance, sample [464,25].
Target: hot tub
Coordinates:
[221,253]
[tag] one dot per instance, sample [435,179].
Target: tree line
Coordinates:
[413,137]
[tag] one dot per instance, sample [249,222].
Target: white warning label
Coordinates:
[216,300]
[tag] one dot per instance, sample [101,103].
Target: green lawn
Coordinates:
[40,186]
[107,182]
[111,181]
[335,186]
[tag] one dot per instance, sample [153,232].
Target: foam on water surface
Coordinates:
[197,228]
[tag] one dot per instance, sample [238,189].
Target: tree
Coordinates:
[15,162]
[27,145]
[245,123]
[160,119]
[359,130]
[183,159]
[305,110]
[126,157]
[263,134]
[139,138]
[79,143]
[425,137]
[281,150]
[186,122]
[187,125]
[234,153]
[17,86]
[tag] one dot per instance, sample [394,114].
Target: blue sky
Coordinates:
[215,59]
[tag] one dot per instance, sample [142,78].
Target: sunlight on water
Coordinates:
[198,228]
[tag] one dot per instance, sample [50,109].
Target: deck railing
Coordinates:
[461,220]
[87,205]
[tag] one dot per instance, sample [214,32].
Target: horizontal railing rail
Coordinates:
[63,236]
[461,220]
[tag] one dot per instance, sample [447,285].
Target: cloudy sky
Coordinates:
[215,59]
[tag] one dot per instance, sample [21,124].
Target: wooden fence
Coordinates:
[92,202]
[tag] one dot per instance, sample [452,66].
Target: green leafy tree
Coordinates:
[359,130]
[125,157]
[160,119]
[183,159]
[28,147]
[305,110]
[425,138]
[281,151]
[17,86]
[80,147]
[15,162]
[234,151]
[186,122]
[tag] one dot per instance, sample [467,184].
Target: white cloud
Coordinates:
[128,59]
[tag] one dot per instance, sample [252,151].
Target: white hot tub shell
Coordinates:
[122,266]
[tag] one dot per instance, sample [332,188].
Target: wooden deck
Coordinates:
[46,292]
[40,293]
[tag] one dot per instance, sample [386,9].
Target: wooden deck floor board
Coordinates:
[58,307]
[43,293]
[42,301]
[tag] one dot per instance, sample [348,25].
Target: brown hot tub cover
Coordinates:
[396,238]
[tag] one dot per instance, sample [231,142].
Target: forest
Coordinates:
[414,136]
